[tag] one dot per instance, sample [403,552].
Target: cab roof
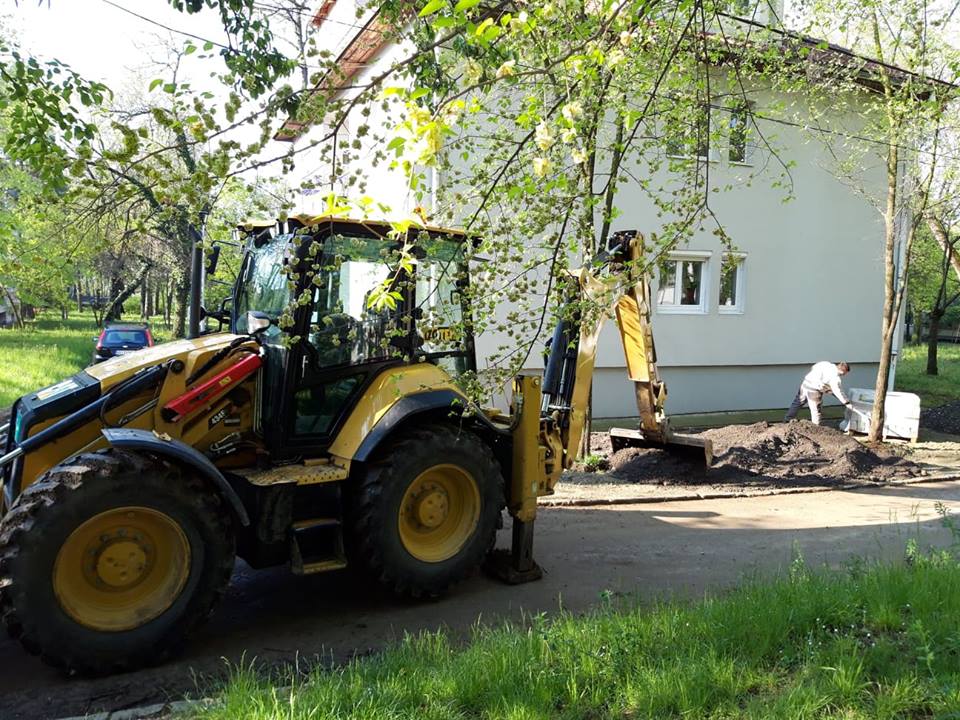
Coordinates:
[305,220]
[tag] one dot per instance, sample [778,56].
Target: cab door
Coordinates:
[347,339]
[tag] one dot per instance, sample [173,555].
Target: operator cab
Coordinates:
[345,300]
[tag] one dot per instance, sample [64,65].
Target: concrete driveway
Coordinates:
[650,550]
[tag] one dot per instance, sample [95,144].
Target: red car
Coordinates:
[120,339]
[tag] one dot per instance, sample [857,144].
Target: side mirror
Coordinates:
[213,257]
[257,322]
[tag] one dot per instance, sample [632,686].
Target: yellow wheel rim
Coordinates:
[439,513]
[121,568]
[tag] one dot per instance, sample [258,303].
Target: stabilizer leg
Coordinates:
[516,566]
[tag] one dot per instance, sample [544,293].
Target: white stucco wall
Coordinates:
[813,273]
[812,286]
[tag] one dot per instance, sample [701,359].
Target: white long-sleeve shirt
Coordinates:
[825,377]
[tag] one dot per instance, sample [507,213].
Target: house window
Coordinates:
[682,284]
[691,138]
[741,117]
[731,285]
[740,8]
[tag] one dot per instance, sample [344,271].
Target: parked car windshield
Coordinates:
[124,337]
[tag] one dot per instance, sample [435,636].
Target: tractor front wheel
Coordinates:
[426,511]
[108,561]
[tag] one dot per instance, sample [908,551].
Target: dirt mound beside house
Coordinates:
[773,454]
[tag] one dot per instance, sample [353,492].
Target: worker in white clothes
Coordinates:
[824,377]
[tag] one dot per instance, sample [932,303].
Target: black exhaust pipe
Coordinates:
[196,283]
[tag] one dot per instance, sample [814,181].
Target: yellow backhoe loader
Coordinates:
[326,427]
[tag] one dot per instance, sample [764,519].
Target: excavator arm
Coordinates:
[549,412]
[593,298]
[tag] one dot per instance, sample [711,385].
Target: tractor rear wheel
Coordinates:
[109,561]
[426,511]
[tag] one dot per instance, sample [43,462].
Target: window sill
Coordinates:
[729,311]
[692,158]
[740,163]
[681,310]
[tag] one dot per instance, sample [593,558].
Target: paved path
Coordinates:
[653,549]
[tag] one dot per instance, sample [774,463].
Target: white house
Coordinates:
[732,333]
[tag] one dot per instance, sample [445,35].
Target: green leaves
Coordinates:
[36,101]
[255,63]
[431,7]
[397,145]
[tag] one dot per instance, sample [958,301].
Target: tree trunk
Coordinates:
[932,343]
[890,312]
[115,307]
[114,311]
[17,318]
[148,286]
[182,299]
[168,302]
[144,292]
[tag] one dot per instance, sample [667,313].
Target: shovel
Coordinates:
[845,425]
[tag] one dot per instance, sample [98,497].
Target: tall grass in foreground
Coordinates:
[877,642]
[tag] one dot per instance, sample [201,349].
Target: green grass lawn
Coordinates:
[933,389]
[868,642]
[47,350]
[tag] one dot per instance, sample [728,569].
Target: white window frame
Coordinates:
[713,152]
[739,288]
[679,256]
[748,146]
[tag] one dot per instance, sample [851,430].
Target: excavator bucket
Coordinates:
[691,447]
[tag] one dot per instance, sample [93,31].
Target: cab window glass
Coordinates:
[344,329]
[318,406]
[440,325]
[438,297]
[264,285]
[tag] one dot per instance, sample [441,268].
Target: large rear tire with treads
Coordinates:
[425,512]
[109,561]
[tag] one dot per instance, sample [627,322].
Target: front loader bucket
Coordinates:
[694,447]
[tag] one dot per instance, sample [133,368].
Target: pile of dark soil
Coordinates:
[770,454]
[945,419]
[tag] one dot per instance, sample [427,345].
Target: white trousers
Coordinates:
[806,396]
